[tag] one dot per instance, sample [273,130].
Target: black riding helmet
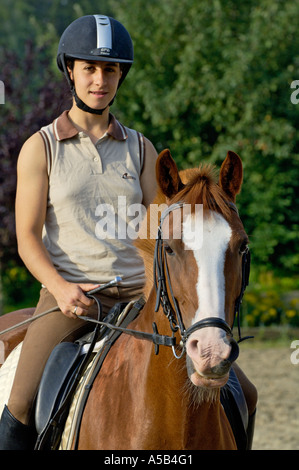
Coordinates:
[95,37]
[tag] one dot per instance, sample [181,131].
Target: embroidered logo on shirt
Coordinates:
[125,176]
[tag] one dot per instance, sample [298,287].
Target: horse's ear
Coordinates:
[167,174]
[231,175]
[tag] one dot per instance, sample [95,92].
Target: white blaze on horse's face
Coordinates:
[209,348]
[210,258]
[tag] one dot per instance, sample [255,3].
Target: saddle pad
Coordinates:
[7,375]
[71,422]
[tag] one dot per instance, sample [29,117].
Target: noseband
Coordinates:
[171,308]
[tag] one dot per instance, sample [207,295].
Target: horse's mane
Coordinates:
[200,187]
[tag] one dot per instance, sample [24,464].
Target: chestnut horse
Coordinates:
[141,400]
[144,401]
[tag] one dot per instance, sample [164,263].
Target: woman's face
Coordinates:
[95,82]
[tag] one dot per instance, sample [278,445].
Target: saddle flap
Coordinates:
[63,361]
[235,407]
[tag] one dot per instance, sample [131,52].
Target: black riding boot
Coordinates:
[15,435]
[250,430]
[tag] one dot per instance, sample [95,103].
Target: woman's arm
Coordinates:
[31,206]
[148,176]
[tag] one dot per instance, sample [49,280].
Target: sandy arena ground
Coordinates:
[277,381]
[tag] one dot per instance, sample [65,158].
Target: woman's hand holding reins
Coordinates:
[71,298]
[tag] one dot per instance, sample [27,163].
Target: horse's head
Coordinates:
[204,263]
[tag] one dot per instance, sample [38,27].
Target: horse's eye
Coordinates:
[243,248]
[168,250]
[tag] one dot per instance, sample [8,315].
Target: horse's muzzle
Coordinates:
[211,376]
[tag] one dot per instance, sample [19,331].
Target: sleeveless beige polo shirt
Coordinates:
[91,192]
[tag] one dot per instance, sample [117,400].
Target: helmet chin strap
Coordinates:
[84,107]
[80,104]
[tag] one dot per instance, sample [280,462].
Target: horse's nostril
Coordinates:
[234,351]
[192,347]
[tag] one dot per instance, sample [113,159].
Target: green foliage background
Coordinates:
[209,76]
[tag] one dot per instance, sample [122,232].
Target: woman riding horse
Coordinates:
[66,173]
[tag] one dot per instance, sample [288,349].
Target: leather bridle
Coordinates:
[168,302]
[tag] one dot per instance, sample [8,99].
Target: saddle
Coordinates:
[63,371]
[235,407]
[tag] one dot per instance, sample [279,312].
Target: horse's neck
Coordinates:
[148,289]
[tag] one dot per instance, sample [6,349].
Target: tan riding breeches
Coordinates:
[41,338]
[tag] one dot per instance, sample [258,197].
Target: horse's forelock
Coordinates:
[201,188]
